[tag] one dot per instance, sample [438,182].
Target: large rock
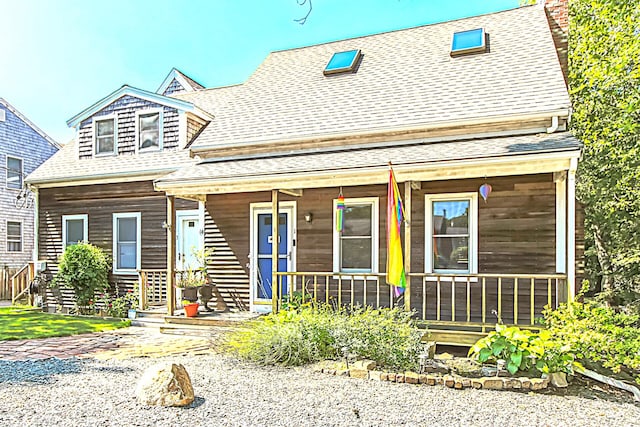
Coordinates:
[165,384]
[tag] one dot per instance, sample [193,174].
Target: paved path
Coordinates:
[119,344]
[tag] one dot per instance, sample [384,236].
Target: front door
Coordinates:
[261,260]
[188,239]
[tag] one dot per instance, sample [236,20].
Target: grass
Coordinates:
[23,322]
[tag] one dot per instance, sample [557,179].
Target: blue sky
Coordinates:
[60,56]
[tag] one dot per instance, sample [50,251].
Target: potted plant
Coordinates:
[191,278]
[190,308]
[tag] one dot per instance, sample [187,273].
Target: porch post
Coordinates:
[571,229]
[407,244]
[171,254]
[275,221]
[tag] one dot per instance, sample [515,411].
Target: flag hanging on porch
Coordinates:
[395,262]
[340,213]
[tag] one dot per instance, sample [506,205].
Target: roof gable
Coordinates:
[187,83]
[29,123]
[138,93]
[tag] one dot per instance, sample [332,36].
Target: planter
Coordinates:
[131,313]
[191,310]
[190,294]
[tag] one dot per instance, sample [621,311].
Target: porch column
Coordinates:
[407,244]
[571,229]
[275,221]
[171,254]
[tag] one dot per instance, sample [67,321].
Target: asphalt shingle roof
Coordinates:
[406,79]
[410,154]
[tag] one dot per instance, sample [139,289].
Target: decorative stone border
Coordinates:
[365,369]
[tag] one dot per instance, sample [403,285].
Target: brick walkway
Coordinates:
[118,344]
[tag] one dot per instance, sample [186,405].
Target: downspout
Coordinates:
[571,229]
[36,223]
[554,124]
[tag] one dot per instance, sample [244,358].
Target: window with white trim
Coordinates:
[451,233]
[14,173]
[126,242]
[355,249]
[75,229]
[14,236]
[105,131]
[149,130]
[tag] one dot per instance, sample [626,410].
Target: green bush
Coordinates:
[598,334]
[524,350]
[85,269]
[313,333]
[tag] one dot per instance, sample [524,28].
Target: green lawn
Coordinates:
[18,323]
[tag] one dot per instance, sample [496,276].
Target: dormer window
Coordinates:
[149,130]
[343,62]
[471,41]
[105,136]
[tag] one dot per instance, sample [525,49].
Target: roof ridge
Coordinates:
[30,123]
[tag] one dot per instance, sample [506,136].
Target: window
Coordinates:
[149,134]
[471,41]
[105,136]
[74,229]
[14,173]
[343,62]
[3,115]
[14,236]
[126,242]
[451,233]
[355,250]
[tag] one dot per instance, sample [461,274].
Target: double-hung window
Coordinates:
[126,242]
[451,233]
[14,236]
[75,229]
[149,130]
[14,173]
[105,131]
[355,249]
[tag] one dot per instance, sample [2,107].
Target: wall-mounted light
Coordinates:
[308,217]
[166,225]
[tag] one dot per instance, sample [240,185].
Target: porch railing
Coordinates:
[474,301]
[153,287]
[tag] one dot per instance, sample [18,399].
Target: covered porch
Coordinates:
[518,247]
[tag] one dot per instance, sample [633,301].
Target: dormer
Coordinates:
[134,121]
[177,82]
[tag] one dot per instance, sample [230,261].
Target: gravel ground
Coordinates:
[230,393]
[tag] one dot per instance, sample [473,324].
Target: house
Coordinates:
[451,106]
[23,147]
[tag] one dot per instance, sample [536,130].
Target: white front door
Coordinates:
[189,239]
[261,250]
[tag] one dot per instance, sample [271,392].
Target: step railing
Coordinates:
[21,281]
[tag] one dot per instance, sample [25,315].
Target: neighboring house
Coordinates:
[318,122]
[23,147]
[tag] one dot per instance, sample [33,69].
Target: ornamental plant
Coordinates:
[85,269]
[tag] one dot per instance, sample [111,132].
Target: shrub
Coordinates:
[117,306]
[524,350]
[598,334]
[315,332]
[83,268]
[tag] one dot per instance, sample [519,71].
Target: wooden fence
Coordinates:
[5,283]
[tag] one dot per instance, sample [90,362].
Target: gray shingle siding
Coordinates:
[19,140]
[125,108]
[174,87]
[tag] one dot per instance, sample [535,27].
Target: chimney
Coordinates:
[558,17]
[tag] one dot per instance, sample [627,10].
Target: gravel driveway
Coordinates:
[230,393]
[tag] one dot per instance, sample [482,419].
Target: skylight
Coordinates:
[342,62]
[471,41]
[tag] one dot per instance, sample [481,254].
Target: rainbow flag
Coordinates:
[395,262]
[340,207]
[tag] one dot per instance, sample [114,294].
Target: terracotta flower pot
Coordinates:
[191,310]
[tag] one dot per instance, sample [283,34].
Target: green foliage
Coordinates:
[604,78]
[85,269]
[316,332]
[18,324]
[523,350]
[598,334]
[117,306]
